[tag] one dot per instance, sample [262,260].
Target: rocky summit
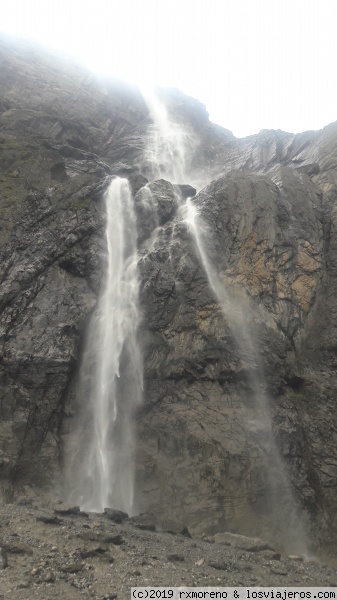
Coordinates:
[236,433]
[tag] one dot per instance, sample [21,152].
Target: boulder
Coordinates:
[242,542]
[118,516]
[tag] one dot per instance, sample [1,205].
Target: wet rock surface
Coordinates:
[269,208]
[198,383]
[63,564]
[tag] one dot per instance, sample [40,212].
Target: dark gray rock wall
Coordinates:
[270,210]
[194,428]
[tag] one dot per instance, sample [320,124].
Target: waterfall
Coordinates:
[169,152]
[280,505]
[170,147]
[110,385]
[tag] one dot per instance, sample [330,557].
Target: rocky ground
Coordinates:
[61,552]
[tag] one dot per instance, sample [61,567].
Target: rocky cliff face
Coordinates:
[271,231]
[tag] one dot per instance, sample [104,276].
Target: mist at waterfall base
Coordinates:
[101,472]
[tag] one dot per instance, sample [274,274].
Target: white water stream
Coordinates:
[170,147]
[110,385]
[280,507]
[169,151]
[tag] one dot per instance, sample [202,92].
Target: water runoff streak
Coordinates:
[110,383]
[280,507]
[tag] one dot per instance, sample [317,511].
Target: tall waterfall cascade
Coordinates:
[110,382]
[169,151]
[110,385]
[280,505]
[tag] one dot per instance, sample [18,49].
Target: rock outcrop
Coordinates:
[269,209]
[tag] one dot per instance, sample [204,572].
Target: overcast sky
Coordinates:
[256,64]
